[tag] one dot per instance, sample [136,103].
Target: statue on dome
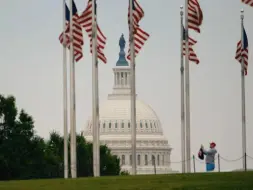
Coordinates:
[122,43]
[122,59]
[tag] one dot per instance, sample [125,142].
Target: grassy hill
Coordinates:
[207,181]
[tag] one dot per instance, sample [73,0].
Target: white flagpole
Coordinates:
[72,98]
[97,121]
[65,96]
[187,93]
[97,99]
[182,96]
[244,154]
[96,167]
[133,93]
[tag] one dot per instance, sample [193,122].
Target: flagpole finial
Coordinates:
[181,10]
[242,16]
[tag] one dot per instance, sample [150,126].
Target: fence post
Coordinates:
[194,168]
[245,161]
[153,159]
[219,162]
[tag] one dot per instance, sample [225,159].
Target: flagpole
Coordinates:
[244,154]
[187,93]
[133,93]
[97,98]
[65,96]
[182,95]
[72,98]
[95,92]
[97,121]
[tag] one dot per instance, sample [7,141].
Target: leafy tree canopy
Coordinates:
[25,155]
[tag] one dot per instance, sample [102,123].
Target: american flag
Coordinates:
[242,51]
[138,13]
[140,36]
[192,55]
[248,2]
[195,15]
[65,41]
[76,31]
[86,22]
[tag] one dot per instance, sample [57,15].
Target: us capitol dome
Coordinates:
[152,148]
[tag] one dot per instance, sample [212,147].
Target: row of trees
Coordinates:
[25,155]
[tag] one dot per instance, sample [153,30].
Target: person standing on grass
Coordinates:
[210,156]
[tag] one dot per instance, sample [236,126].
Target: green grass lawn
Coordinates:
[207,181]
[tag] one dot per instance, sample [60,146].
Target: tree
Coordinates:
[84,157]
[37,164]
[54,155]
[15,138]
[109,164]
[24,155]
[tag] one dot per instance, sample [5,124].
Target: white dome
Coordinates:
[121,109]
[115,132]
[115,117]
[115,127]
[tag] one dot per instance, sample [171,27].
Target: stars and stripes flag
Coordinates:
[248,2]
[242,51]
[140,36]
[192,55]
[138,13]
[76,32]
[195,15]
[85,21]
[64,37]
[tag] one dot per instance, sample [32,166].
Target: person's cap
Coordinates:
[213,144]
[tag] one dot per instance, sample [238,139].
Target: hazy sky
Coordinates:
[31,68]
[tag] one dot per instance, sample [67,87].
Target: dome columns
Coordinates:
[121,78]
[144,161]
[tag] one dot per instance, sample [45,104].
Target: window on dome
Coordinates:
[118,78]
[140,124]
[155,125]
[153,160]
[151,125]
[146,125]
[130,160]
[122,124]
[110,125]
[158,160]
[129,125]
[122,78]
[126,78]
[103,125]
[163,160]
[146,160]
[123,161]
[116,125]
[139,160]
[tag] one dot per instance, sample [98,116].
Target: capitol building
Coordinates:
[152,149]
